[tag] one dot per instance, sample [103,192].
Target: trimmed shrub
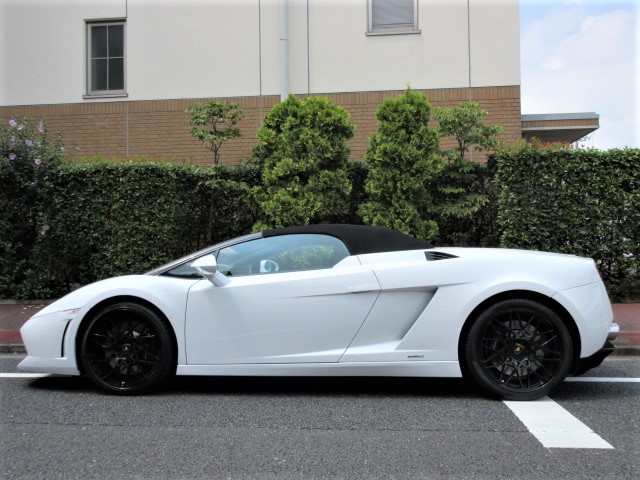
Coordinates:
[402,158]
[583,202]
[303,156]
[357,172]
[463,195]
[465,204]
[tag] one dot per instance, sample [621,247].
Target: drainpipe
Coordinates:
[284,50]
[470,90]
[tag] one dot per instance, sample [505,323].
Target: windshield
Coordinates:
[175,269]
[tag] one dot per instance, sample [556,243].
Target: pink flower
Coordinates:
[12,122]
[12,156]
[44,229]
[20,127]
[29,143]
[12,139]
[37,161]
[41,127]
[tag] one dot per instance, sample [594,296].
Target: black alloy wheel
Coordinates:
[519,350]
[127,348]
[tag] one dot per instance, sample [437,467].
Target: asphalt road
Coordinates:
[58,427]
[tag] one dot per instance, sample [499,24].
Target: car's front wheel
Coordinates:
[127,348]
[518,349]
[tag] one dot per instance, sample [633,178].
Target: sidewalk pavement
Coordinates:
[14,314]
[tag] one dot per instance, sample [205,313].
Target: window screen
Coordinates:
[392,16]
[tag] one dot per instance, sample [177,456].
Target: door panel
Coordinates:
[293,317]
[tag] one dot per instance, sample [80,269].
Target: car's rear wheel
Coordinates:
[518,349]
[127,348]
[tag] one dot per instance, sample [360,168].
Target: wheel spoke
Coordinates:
[498,325]
[515,370]
[150,362]
[549,340]
[489,361]
[549,351]
[96,342]
[520,379]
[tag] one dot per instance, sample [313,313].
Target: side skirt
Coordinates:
[361,369]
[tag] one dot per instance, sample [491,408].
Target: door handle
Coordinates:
[363,287]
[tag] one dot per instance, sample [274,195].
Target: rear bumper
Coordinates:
[587,363]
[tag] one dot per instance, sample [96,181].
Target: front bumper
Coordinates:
[593,361]
[44,339]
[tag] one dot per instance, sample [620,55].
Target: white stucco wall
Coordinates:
[204,48]
[42,48]
[495,42]
[344,58]
[193,48]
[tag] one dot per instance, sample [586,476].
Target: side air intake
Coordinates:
[433,256]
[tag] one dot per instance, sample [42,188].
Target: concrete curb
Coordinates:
[626,351]
[11,301]
[12,348]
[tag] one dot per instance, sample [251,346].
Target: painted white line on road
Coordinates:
[23,375]
[603,379]
[554,426]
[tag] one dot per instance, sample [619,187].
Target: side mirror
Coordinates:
[208,268]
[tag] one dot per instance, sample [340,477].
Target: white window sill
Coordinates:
[105,95]
[377,33]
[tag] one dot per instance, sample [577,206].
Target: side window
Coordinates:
[105,58]
[285,253]
[388,17]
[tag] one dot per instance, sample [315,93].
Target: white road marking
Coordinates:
[603,379]
[23,375]
[554,426]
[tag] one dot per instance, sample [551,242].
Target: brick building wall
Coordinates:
[159,128]
[562,123]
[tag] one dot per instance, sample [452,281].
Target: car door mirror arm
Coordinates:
[208,268]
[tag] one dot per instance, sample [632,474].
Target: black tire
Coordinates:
[518,350]
[127,349]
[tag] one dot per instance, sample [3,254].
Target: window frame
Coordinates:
[371,31]
[90,24]
[181,268]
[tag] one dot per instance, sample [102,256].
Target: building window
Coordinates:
[388,17]
[105,58]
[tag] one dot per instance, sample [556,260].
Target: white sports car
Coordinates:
[325,300]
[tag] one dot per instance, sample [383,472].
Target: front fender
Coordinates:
[168,295]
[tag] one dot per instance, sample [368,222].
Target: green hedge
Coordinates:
[27,154]
[75,223]
[583,202]
[106,219]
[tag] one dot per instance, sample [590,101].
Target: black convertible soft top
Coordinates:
[359,239]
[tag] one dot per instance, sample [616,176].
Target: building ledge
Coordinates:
[559,127]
